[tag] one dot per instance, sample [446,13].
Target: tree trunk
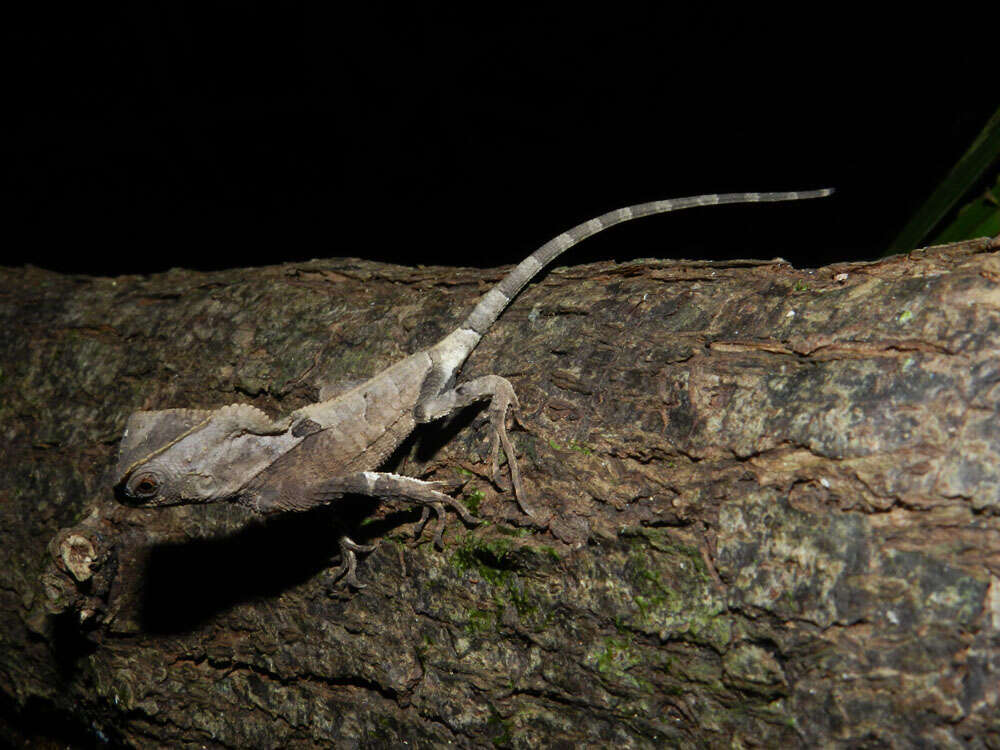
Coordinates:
[768,513]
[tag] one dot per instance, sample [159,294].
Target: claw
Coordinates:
[349,561]
[462,511]
[438,507]
[439,526]
[425,514]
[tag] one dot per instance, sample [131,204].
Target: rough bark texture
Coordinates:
[771,513]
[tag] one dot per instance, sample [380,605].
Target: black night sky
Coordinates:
[213,135]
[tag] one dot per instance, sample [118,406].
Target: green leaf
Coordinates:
[982,154]
[979,218]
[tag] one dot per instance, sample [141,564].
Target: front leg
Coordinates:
[501,395]
[384,486]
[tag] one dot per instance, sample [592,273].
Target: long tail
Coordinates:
[494,301]
[452,350]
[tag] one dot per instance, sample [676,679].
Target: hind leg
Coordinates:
[501,396]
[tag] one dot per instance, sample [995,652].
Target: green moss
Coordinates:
[481,621]
[473,499]
[673,592]
[491,560]
[487,557]
[424,648]
[613,658]
[526,608]
[572,445]
[550,553]
[616,656]
[500,729]
[514,531]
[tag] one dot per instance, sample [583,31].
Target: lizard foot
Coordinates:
[438,506]
[501,395]
[439,525]
[503,399]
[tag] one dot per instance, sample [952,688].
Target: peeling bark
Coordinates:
[771,512]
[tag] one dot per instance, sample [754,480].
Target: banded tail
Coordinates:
[496,300]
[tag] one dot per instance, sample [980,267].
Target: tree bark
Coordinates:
[768,512]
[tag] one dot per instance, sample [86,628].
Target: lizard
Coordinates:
[321,452]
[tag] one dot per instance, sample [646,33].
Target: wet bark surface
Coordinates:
[768,513]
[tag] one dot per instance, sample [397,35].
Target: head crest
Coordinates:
[149,431]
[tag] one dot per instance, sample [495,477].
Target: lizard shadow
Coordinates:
[185,584]
[431,438]
[188,583]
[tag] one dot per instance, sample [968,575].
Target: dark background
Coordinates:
[212,135]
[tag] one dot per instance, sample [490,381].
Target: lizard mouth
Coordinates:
[124,497]
[150,502]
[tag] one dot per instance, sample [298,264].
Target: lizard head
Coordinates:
[181,456]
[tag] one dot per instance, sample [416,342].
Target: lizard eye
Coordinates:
[145,485]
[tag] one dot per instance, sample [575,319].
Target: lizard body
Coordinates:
[323,451]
